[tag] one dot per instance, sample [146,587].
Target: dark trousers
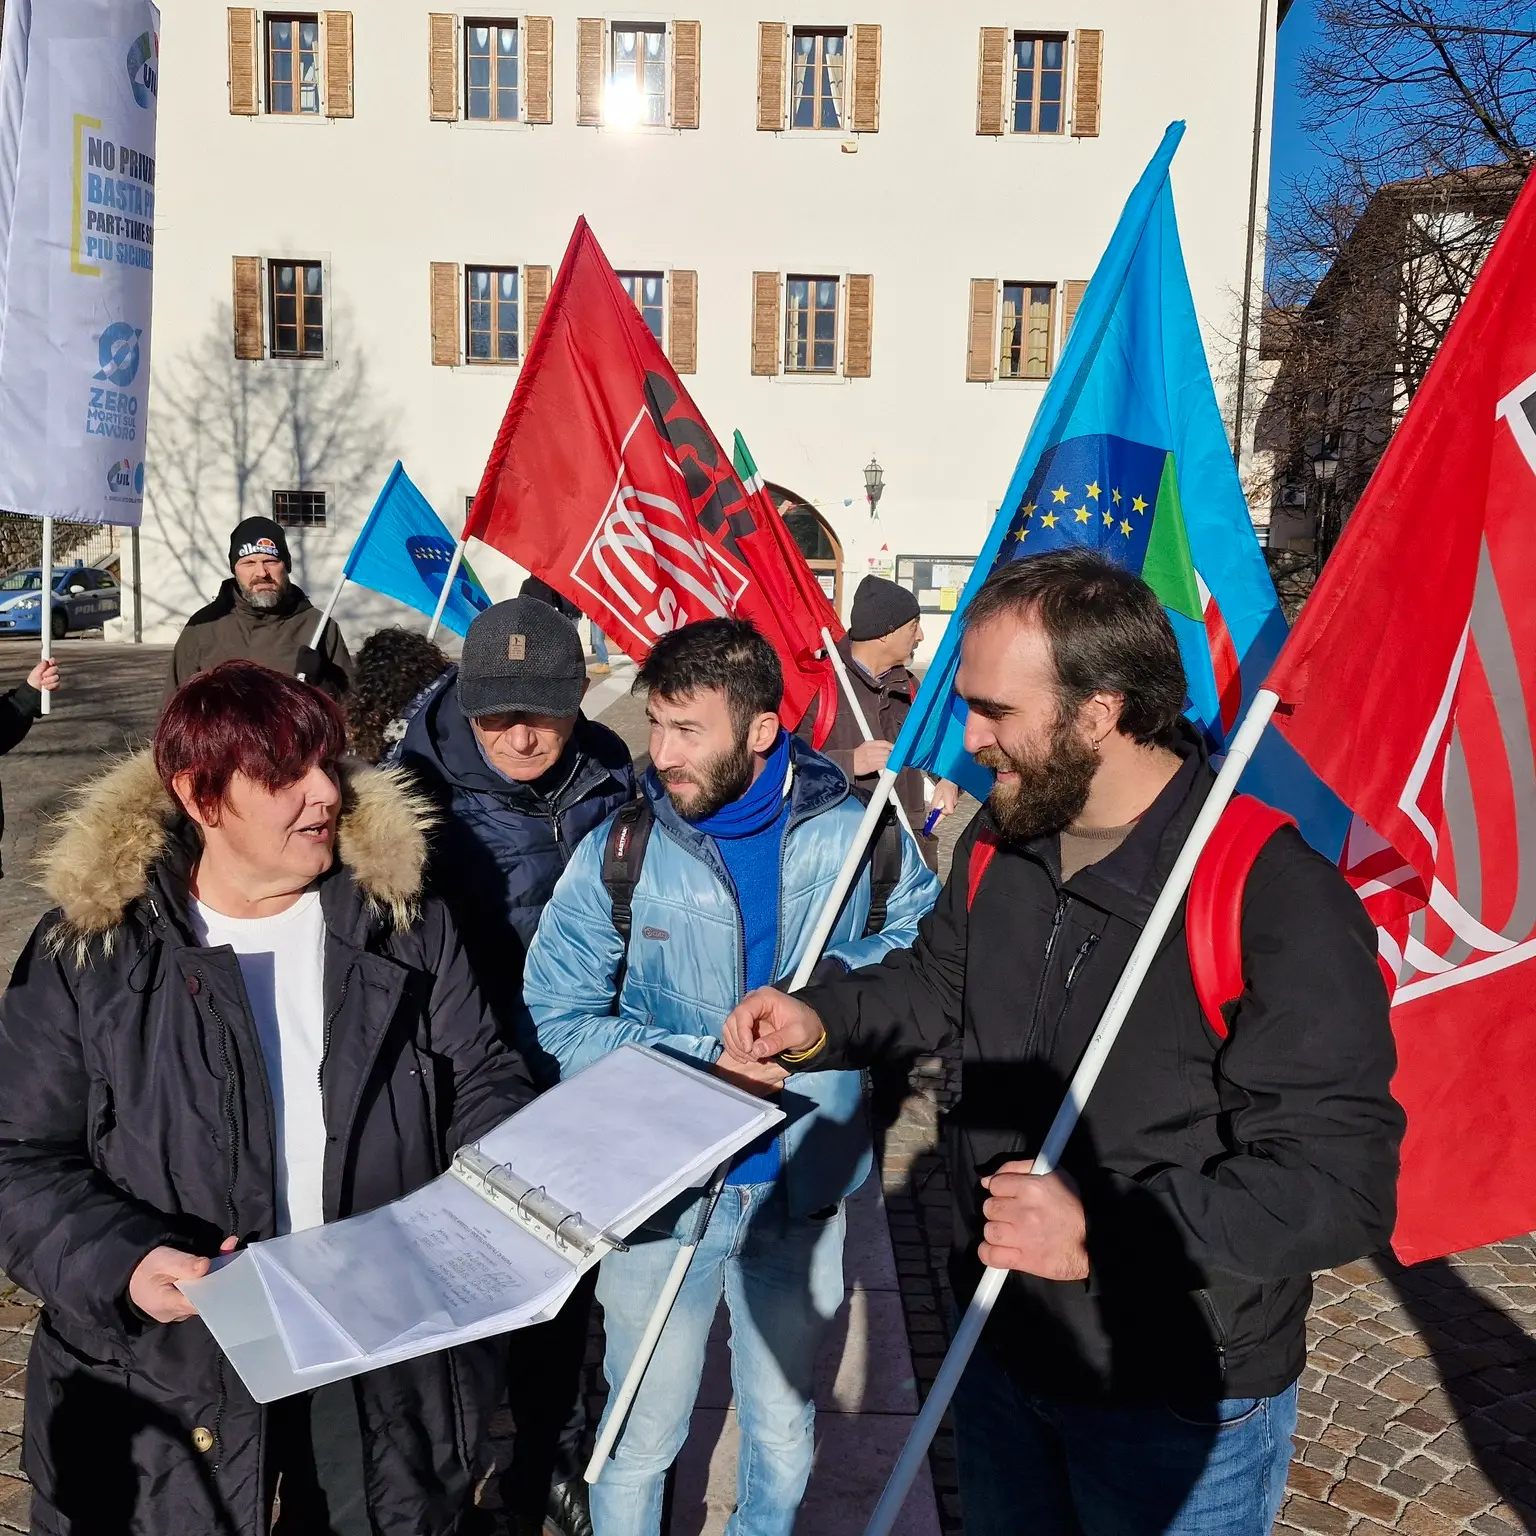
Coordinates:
[549,1408]
[315,1464]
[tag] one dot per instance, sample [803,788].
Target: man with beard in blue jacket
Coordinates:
[745,828]
[522,776]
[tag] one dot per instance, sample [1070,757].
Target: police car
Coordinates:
[83,598]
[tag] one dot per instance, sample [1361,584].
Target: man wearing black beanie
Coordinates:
[884,629]
[259,615]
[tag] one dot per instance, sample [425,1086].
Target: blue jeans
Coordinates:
[782,1278]
[1053,1468]
[599,645]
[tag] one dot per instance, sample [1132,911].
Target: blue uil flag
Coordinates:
[404,552]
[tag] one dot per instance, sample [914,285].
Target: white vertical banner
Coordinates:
[78,84]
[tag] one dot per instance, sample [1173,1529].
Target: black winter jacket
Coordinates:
[18,709]
[1215,1177]
[135,1111]
[500,847]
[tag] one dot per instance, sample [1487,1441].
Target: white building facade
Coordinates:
[860,238]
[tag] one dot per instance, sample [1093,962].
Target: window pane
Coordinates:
[506,42]
[1050,118]
[480,341]
[312,277]
[479,71]
[285,279]
[826,325]
[653,290]
[506,346]
[314,341]
[825,359]
[1052,49]
[826,293]
[1024,53]
[1009,354]
[479,282]
[623,47]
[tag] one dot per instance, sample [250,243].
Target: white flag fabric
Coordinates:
[78,84]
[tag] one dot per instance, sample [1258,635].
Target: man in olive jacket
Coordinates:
[157,1085]
[259,615]
[1138,1374]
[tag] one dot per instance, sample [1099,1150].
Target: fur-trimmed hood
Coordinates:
[121,824]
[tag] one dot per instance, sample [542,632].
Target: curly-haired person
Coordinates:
[394,667]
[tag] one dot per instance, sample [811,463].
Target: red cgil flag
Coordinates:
[606,482]
[1408,685]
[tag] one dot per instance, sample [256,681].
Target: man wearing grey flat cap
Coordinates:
[521,776]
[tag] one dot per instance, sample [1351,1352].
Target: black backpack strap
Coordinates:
[623,859]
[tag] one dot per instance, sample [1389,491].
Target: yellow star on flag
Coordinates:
[1083,515]
[1029,509]
[1093,487]
[1109,519]
[1022,534]
[1125,528]
[1060,493]
[1138,505]
[1049,520]
[1116,495]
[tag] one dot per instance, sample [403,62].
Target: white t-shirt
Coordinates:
[282,959]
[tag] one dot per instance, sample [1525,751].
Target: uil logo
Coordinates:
[143,69]
[118,352]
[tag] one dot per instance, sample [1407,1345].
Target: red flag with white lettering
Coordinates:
[606,482]
[1408,685]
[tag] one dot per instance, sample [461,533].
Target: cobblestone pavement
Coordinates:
[1418,1403]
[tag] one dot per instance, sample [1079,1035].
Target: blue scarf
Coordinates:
[749,836]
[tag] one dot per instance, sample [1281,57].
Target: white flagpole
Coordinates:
[679,1272]
[1164,910]
[846,682]
[47,609]
[325,617]
[442,597]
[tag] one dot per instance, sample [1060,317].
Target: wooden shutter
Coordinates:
[243,101]
[536,281]
[683,321]
[337,26]
[589,72]
[445,314]
[1087,85]
[1076,288]
[865,116]
[858,338]
[538,78]
[765,322]
[443,67]
[772,42]
[981,337]
[992,81]
[248,308]
[685,74]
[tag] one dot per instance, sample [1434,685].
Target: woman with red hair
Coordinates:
[241,1018]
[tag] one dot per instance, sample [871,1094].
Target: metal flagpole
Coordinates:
[442,597]
[679,1272]
[846,683]
[138,591]
[325,617]
[1166,908]
[46,594]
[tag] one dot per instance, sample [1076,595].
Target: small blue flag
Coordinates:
[404,551]
[1128,456]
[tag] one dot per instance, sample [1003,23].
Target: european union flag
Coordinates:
[404,551]
[1128,456]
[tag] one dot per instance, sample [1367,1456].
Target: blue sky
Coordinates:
[1292,153]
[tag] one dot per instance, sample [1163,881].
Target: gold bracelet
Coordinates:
[794,1058]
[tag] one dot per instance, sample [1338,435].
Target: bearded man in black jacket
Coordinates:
[1138,1374]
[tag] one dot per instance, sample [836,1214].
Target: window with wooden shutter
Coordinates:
[772,40]
[589,72]
[445,314]
[248,308]
[1075,289]
[859,337]
[540,37]
[865,114]
[683,321]
[991,77]
[242,62]
[443,67]
[685,74]
[980,351]
[536,281]
[1088,84]
[765,322]
[337,26]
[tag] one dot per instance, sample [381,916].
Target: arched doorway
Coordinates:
[816,540]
